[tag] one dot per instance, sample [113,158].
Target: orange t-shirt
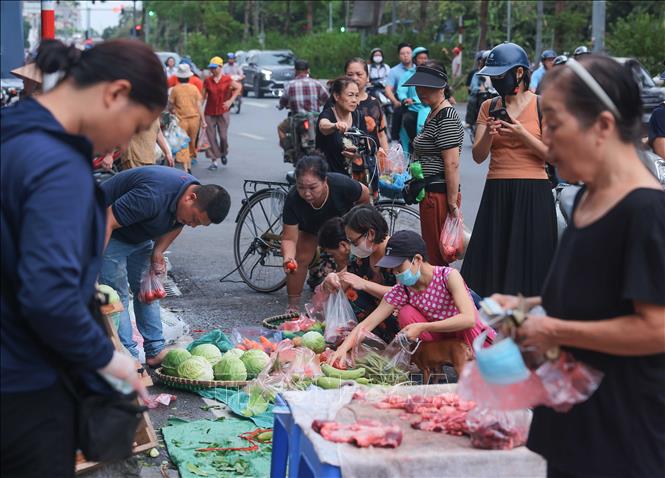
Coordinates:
[193,80]
[186,100]
[510,158]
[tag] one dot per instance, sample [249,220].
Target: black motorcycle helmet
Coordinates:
[501,65]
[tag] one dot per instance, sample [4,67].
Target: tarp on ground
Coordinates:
[237,401]
[183,438]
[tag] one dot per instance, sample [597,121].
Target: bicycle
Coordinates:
[258,235]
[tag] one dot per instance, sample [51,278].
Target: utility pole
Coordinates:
[539,28]
[48,20]
[330,22]
[136,33]
[510,12]
[393,17]
[598,26]
[88,33]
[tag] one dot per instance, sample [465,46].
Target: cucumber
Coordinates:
[265,437]
[363,381]
[333,372]
[329,382]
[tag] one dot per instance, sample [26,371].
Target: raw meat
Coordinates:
[363,433]
[436,413]
[497,429]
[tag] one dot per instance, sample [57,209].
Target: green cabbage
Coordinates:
[255,360]
[114,298]
[196,368]
[314,341]
[173,358]
[236,353]
[230,368]
[209,352]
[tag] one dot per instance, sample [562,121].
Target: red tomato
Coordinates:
[149,296]
[160,294]
[291,266]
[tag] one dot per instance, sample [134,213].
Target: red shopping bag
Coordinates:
[203,143]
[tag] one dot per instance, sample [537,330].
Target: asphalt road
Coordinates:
[201,256]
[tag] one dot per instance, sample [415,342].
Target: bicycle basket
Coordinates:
[393,171]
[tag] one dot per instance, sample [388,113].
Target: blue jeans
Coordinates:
[122,268]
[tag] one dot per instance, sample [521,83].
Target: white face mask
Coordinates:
[361,250]
[377,59]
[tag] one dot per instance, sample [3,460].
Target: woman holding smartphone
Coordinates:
[515,233]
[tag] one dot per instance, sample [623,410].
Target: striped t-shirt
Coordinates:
[444,131]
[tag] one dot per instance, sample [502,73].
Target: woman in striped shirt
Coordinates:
[437,148]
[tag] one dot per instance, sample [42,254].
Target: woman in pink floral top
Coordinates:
[432,302]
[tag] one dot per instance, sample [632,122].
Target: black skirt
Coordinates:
[513,239]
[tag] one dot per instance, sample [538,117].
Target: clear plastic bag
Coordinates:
[385,364]
[567,381]
[152,286]
[498,429]
[340,318]
[202,144]
[451,240]
[176,136]
[393,168]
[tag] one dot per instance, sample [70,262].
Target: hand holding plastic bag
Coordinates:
[340,318]
[451,241]
[203,144]
[152,286]
[384,364]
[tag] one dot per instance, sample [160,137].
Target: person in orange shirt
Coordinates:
[185,101]
[172,80]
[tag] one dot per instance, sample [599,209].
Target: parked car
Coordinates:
[267,71]
[652,95]
[164,55]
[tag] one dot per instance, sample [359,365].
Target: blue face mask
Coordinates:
[408,278]
[500,363]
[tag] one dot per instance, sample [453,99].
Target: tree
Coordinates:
[648,46]
[310,16]
[482,40]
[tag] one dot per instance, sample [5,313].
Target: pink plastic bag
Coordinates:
[203,144]
[451,241]
[152,286]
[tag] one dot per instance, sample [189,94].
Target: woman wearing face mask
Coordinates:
[340,114]
[317,197]
[605,292]
[515,233]
[433,302]
[368,106]
[378,70]
[437,148]
[53,226]
[357,243]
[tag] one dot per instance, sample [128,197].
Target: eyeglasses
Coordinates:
[356,240]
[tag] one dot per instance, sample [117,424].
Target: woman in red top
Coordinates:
[219,92]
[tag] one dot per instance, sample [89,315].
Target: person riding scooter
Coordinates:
[304,97]
[234,70]
[378,70]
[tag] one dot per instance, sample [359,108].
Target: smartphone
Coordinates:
[501,114]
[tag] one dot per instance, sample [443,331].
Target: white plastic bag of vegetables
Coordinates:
[340,318]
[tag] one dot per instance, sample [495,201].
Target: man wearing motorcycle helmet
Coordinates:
[415,112]
[580,50]
[560,60]
[546,64]
[232,68]
[378,70]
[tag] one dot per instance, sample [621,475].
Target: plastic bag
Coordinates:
[152,286]
[451,241]
[340,318]
[176,136]
[215,337]
[255,338]
[567,381]
[498,430]
[393,169]
[202,144]
[173,327]
[385,364]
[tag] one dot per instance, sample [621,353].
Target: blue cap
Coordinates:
[548,55]
[230,55]
[503,58]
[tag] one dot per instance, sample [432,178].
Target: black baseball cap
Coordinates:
[301,65]
[402,246]
[429,77]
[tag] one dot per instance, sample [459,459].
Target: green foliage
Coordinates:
[640,35]
[26,32]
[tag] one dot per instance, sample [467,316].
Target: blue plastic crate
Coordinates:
[291,447]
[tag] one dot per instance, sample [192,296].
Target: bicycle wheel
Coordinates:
[257,241]
[399,216]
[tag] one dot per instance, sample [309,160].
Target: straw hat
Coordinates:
[28,72]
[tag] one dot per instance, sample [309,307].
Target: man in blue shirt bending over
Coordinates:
[147,209]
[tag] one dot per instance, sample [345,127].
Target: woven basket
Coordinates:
[276,321]
[195,385]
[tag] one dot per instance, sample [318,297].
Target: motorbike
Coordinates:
[481,97]
[378,91]
[9,95]
[301,136]
[237,103]
[363,167]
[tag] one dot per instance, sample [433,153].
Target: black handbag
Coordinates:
[411,190]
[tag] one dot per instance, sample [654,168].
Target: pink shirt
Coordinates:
[436,303]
